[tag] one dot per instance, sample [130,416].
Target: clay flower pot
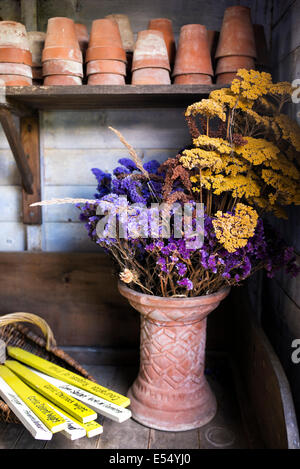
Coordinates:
[13,55]
[171,392]
[237,33]
[13,34]
[36,42]
[82,36]
[233,63]
[106,66]
[62,67]
[61,41]
[125,31]
[165,26]
[193,79]
[193,54]
[225,78]
[15,80]
[106,79]
[151,76]
[150,51]
[62,80]
[105,41]
[15,69]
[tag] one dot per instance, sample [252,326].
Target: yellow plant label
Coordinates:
[66,402]
[67,376]
[34,401]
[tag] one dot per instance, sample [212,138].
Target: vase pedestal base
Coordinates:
[194,414]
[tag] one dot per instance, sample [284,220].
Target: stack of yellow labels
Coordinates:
[48,398]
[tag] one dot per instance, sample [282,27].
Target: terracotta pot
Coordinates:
[106,66]
[171,392]
[61,41]
[62,80]
[164,25]
[263,55]
[150,51]
[36,42]
[106,79]
[16,80]
[193,54]
[151,76]
[62,67]
[193,79]
[125,31]
[105,33]
[13,34]
[105,53]
[234,63]
[82,36]
[237,33]
[225,78]
[15,69]
[13,55]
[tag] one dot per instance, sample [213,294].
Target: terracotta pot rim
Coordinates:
[190,301]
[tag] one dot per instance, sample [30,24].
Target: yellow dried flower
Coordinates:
[281,88]
[208,108]
[234,231]
[290,130]
[227,97]
[252,85]
[199,158]
[257,150]
[218,144]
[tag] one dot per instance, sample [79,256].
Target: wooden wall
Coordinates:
[281,296]
[87,309]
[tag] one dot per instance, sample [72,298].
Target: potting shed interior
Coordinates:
[50,139]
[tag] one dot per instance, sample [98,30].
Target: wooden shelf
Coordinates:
[98,97]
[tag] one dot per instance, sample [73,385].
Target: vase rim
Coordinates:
[219,295]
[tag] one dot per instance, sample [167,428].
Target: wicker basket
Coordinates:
[20,336]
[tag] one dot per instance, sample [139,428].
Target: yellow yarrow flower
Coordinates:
[257,150]
[208,108]
[252,85]
[234,231]
[218,144]
[199,158]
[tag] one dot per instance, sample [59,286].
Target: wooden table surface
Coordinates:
[225,431]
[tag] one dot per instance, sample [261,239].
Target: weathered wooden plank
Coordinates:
[76,293]
[31,145]
[174,440]
[102,96]
[61,165]
[266,383]
[12,236]
[10,197]
[141,128]
[15,143]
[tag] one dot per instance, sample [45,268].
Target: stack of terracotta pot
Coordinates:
[193,64]
[165,26]
[127,38]
[236,48]
[15,55]
[36,42]
[105,56]
[150,64]
[62,57]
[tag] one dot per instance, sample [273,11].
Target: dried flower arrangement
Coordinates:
[242,164]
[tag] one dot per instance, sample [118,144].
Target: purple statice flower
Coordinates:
[185,282]
[128,163]
[120,171]
[163,264]
[104,182]
[182,268]
[152,166]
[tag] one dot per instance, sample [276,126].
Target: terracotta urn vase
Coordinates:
[237,33]
[171,392]
[165,26]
